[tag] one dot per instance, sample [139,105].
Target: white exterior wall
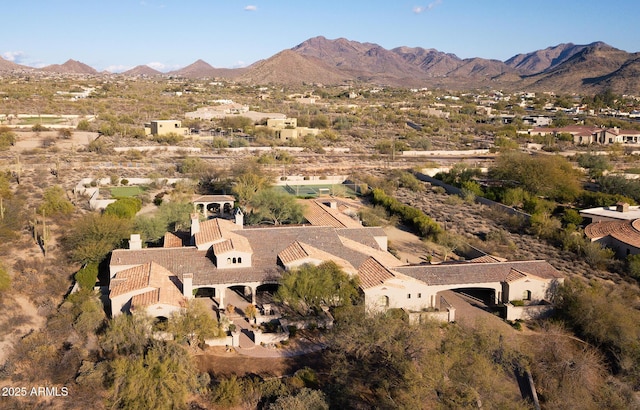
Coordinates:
[162,309]
[396,291]
[422,295]
[516,290]
[225,260]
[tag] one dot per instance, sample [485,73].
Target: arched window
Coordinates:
[526,295]
[383,301]
[228,260]
[234,260]
[239,260]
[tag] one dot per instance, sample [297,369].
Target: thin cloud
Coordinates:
[157,66]
[14,56]
[239,64]
[117,68]
[430,6]
[164,67]
[251,8]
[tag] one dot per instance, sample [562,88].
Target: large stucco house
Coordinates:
[219,254]
[616,227]
[586,135]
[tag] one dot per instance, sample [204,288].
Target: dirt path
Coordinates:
[28,314]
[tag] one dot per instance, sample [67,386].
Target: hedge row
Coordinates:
[425,226]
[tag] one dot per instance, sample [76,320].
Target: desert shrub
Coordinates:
[55,202]
[7,138]
[125,208]
[413,217]
[87,276]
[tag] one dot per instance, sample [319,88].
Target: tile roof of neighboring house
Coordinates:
[318,214]
[372,273]
[624,231]
[470,273]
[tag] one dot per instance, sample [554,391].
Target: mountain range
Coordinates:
[589,68]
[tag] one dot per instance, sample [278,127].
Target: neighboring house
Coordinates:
[218,254]
[618,212]
[287,128]
[585,135]
[616,227]
[621,236]
[164,127]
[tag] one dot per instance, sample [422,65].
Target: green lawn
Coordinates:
[38,120]
[304,191]
[125,191]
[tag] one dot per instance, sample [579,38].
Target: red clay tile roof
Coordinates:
[148,275]
[472,273]
[209,232]
[515,275]
[167,295]
[487,259]
[624,231]
[319,214]
[214,198]
[292,253]
[172,241]
[372,273]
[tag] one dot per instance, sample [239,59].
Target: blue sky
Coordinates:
[169,34]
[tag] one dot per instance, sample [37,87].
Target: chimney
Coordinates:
[195,223]
[239,217]
[187,285]
[135,243]
[622,207]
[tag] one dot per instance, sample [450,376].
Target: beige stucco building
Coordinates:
[218,254]
[287,128]
[164,127]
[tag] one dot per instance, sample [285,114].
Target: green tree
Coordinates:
[596,164]
[310,287]
[126,208]
[161,379]
[548,175]
[305,399]
[246,186]
[276,207]
[92,237]
[87,276]
[127,335]
[633,265]
[194,325]
[55,202]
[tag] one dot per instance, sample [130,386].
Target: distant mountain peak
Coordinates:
[70,66]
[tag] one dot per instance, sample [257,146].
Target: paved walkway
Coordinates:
[297,346]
